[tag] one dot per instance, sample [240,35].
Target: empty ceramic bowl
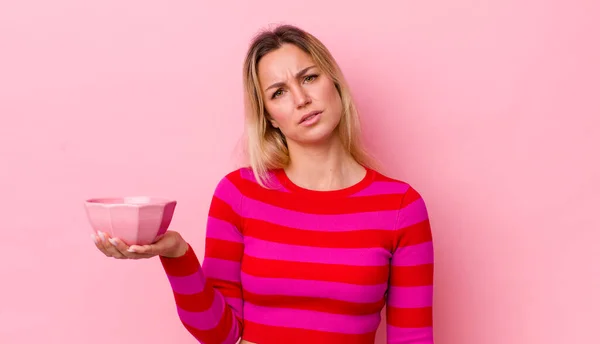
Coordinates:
[135,220]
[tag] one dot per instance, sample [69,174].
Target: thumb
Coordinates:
[152,249]
[159,246]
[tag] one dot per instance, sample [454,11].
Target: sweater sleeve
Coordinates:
[410,294]
[209,296]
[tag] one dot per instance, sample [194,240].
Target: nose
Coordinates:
[301,98]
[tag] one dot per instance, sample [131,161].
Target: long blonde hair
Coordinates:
[266,147]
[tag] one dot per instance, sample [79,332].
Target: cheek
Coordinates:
[278,113]
[334,99]
[329,92]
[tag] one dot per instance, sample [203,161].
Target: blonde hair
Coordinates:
[266,147]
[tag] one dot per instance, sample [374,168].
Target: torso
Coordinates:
[327,252]
[315,264]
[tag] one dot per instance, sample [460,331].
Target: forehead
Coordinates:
[280,63]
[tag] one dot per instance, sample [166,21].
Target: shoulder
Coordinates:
[239,176]
[380,177]
[394,185]
[234,178]
[412,216]
[230,188]
[239,185]
[388,180]
[244,179]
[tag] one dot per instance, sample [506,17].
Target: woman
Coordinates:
[309,243]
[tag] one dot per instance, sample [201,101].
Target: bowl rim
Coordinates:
[118,201]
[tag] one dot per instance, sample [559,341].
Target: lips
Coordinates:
[309,115]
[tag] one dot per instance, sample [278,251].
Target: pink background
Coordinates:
[489,108]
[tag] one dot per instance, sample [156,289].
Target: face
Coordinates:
[299,98]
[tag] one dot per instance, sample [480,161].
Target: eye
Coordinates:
[310,78]
[277,93]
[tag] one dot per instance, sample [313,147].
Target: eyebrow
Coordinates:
[299,74]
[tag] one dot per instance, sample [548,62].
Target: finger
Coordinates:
[108,247]
[120,246]
[98,244]
[147,250]
[123,248]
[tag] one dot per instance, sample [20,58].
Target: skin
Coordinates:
[292,86]
[169,245]
[318,159]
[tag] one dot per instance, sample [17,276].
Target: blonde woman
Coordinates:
[310,242]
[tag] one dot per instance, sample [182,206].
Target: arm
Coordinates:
[410,296]
[209,298]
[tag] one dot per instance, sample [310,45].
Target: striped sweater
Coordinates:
[289,265]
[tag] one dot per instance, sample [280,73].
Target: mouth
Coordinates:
[309,116]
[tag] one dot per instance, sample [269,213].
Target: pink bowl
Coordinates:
[135,220]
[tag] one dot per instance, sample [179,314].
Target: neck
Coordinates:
[323,167]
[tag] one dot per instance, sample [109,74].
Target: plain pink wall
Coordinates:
[489,108]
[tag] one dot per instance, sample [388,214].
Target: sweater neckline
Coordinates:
[344,192]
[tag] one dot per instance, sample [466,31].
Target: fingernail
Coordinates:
[113,241]
[94,238]
[101,235]
[132,249]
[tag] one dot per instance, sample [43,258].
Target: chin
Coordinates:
[316,136]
